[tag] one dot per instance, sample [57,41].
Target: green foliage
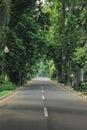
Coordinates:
[84,86]
[18,8]
[80,53]
[80,56]
[1,79]
[26,39]
[7,86]
[53,72]
[56,30]
[4,92]
[44,67]
[67,38]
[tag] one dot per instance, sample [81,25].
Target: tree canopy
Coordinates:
[55,31]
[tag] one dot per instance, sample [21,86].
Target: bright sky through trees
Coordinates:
[43,1]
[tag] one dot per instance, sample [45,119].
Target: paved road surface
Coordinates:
[43,105]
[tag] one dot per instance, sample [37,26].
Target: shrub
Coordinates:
[84,85]
[7,86]
[1,79]
[81,86]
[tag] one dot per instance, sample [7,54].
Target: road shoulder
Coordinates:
[15,91]
[10,93]
[70,89]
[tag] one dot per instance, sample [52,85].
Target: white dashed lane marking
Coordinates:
[42,91]
[45,112]
[43,97]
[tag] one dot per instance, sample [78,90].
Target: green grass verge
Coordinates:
[72,90]
[4,92]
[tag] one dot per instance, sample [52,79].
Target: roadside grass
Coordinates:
[4,92]
[69,88]
[77,91]
[7,87]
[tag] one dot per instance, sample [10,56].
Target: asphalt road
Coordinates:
[42,105]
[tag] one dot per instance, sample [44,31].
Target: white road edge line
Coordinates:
[45,112]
